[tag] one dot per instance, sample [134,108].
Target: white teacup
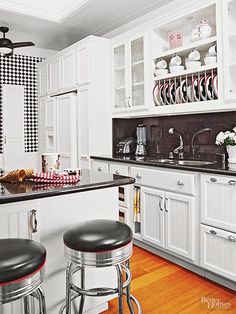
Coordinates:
[194,55]
[212,51]
[161,64]
[175,60]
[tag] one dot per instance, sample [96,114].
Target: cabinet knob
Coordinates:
[180,182]
[138,176]
[99,169]
[232,238]
[213,232]
[213,179]
[165,205]
[160,201]
[232,182]
[34,222]
[117,172]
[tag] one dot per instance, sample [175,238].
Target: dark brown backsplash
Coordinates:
[158,137]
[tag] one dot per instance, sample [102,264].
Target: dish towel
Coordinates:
[50,177]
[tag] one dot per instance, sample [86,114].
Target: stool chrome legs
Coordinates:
[123,288]
[68,289]
[128,294]
[82,275]
[120,288]
[39,295]
[26,305]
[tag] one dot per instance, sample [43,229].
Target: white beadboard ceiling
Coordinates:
[55,24]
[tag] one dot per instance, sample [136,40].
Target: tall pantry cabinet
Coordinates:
[78,84]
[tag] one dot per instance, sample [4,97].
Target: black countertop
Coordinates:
[218,168]
[90,180]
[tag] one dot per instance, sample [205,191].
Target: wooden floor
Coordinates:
[163,287]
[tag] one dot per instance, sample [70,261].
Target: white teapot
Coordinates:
[201,31]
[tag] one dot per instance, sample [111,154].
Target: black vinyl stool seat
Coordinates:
[98,243]
[21,271]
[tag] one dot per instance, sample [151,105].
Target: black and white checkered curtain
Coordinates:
[22,70]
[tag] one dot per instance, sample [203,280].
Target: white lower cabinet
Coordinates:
[152,217]
[180,224]
[218,194]
[168,221]
[100,166]
[17,221]
[218,251]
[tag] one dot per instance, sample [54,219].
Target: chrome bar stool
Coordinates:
[22,272]
[99,243]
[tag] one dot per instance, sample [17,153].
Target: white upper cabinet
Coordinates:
[54,74]
[229,40]
[43,79]
[129,74]
[68,70]
[82,65]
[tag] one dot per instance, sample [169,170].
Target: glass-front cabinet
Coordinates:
[229,31]
[129,75]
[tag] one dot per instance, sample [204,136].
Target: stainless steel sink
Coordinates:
[164,160]
[195,162]
[184,162]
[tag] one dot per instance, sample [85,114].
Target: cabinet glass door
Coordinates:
[119,77]
[229,23]
[137,72]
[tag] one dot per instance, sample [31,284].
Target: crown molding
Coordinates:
[42,13]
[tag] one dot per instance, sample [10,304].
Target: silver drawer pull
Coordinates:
[180,182]
[232,182]
[99,169]
[34,222]
[138,176]
[213,179]
[165,205]
[117,172]
[213,232]
[232,238]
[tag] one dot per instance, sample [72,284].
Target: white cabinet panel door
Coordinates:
[82,66]
[68,70]
[66,130]
[83,126]
[54,70]
[180,225]
[152,218]
[218,251]
[13,126]
[15,222]
[219,201]
[43,79]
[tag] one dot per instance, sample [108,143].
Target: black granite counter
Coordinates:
[27,190]
[217,168]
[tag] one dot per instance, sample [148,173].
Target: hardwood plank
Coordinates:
[163,287]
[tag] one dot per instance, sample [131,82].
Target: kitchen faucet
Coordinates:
[180,149]
[192,149]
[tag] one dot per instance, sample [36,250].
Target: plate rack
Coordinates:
[196,86]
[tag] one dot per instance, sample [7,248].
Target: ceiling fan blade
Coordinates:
[22,44]
[8,54]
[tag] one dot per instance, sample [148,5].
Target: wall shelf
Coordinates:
[200,45]
[203,68]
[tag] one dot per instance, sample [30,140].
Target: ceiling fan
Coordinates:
[7,46]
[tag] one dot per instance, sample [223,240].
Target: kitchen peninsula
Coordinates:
[43,212]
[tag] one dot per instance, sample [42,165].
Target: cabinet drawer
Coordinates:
[218,201]
[165,180]
[119,169]
[100,166]
[218,251]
